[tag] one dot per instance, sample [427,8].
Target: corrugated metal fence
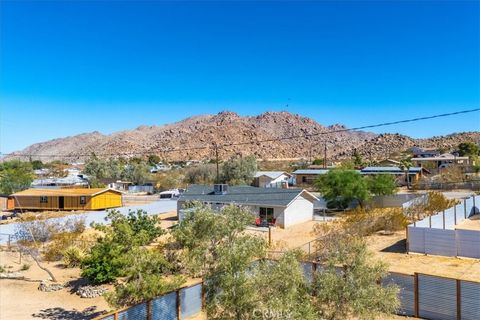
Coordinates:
[421,295]
[437,234]
[176,305]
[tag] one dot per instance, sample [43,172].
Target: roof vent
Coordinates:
[220,188]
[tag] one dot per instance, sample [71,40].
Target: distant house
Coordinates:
[70,181]
[281,207]
[389,163]
[414,173]
[271,179]
[308,176]
[116,184]
[67,199]
[424,153]
[442,161]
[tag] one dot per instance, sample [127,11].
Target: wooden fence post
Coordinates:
[465,208]
[115,316]
[416,295]
[429,221]
[149,310]
[178,305]
[443,214]
[459,300]
[204,303]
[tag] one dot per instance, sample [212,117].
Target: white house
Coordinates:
[280,207]
[271,179]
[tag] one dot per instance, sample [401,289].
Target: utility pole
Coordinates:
[325,156]
[216,162]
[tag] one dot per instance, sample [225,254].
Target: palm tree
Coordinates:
[405,165]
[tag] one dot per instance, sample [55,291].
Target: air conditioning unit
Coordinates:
[220,188]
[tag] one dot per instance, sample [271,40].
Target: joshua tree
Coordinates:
[405,165]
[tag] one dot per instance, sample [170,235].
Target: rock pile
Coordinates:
[11,275]
[46,286]
[91,291]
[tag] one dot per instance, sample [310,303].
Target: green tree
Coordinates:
[153,159]
[282,287]
[15,175]
[96,168]
[318,162]
[37,164]
[136,172]
[239,171]
[216,248]
[355,292]
[202,174]
[468,149]
[357,159]
[381,184]
[340,187]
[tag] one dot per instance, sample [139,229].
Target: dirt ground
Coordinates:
[20,299]
[392,250]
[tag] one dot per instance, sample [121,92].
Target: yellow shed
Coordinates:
[67,199]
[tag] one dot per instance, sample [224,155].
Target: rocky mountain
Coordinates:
[263,136]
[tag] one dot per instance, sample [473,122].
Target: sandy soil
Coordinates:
[472,223]
[20,299]
[392,250]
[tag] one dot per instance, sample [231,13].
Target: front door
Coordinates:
[61,202]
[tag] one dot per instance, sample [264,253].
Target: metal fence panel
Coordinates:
[110,317]
[138,312]
[440,242]
[437,297]
[468,243]
[470,297]
[308,271]
[165,307]
[406,294]
[190,301]
[416,239]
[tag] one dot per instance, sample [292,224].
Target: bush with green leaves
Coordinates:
[147,275]
[108,258]
[348,285]
[73,256]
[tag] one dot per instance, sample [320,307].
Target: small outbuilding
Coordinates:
[67,199]
[271,179]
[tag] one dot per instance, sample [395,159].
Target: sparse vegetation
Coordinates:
[15,175]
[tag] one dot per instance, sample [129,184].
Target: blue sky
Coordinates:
[69,67]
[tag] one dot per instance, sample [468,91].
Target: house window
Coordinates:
[83,200]
[43,199]
[266,214]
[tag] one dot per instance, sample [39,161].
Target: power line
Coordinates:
[169,150]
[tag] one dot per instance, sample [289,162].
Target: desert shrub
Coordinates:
[108,258]
[365,222]
[73,256]
[25,267]
[2,269]
[104,263]
[58,244]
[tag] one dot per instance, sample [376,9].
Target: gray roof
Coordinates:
[244,195]
[270,174]
[389,170]
[311,171]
